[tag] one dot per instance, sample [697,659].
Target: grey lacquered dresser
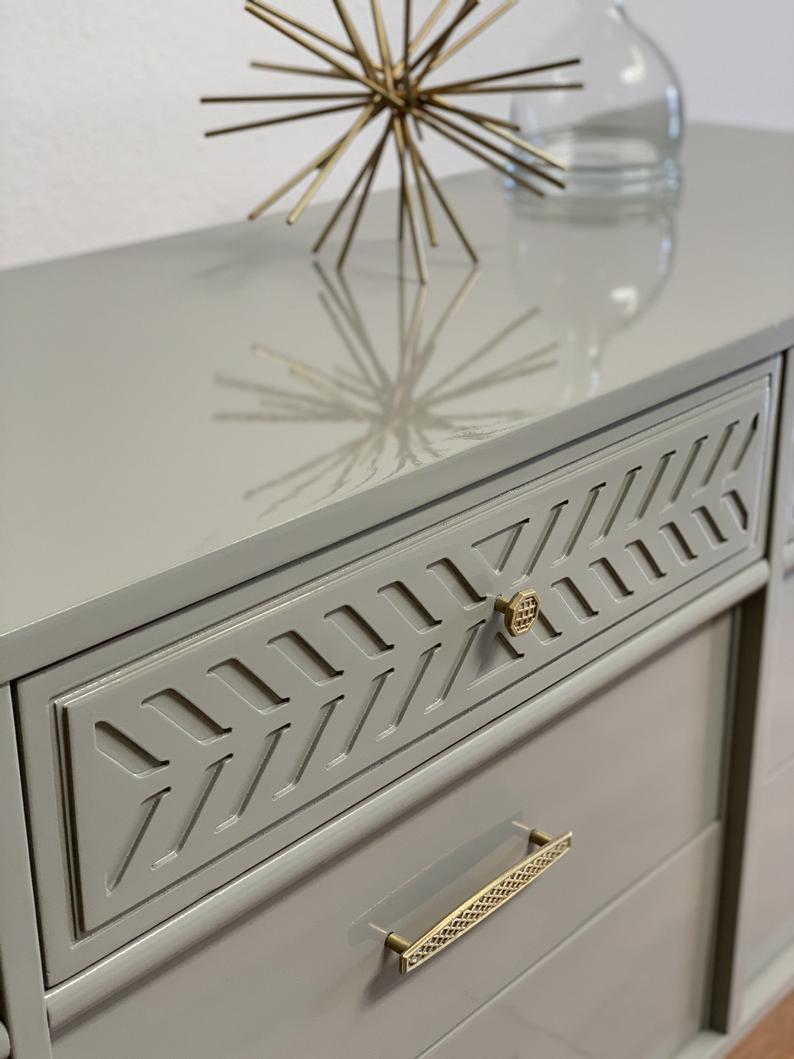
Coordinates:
[391,672]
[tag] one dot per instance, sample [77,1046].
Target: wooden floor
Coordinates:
[773,1038]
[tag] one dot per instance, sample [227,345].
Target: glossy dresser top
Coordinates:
[182,415]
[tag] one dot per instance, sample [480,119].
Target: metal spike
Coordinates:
[522,72]
[467,38]
[282,119]
[373,157]
[380,83]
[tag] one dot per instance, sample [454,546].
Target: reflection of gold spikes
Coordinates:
[500,166]
[484,350]
[540,173]
[506,375]
[304,371]
[326,462]
[402,288]
[367,391]
[450,85]
[280,120]
[306,401]
[467,38]
[460,297]
[377,82]
[347,307]
[356,320]
[394,415]
[340,320]
[411,342]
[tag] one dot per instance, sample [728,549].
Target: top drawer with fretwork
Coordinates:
[157,782]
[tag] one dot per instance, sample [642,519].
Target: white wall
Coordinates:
[101,135]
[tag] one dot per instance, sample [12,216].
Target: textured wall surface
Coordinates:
[101,131]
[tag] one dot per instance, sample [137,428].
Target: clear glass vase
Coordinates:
[622,133]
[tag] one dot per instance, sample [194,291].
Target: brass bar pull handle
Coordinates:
[482,904]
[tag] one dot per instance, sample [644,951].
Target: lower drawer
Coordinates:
[632,984]
[780,702]
[771,918]
[634,773]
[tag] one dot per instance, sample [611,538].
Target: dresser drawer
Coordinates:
[771,883]
[632,984]
[788,439]
[633,772]
[780,701]
[157,782]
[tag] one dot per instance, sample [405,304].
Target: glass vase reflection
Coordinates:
[600,265]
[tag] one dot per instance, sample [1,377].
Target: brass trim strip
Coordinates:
[482,904]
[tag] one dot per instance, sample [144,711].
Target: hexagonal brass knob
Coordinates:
[521,611]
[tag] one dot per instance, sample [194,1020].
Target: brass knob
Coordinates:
[521,611]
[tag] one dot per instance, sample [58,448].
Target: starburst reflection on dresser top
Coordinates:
[401,417]
[401,88]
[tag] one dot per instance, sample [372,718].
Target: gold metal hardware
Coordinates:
[521,611]
[483,904]
[382,81]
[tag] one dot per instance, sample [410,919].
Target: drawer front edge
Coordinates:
[183,759]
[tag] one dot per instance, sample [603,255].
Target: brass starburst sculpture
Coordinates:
[404,92]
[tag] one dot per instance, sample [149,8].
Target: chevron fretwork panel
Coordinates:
[187,755]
